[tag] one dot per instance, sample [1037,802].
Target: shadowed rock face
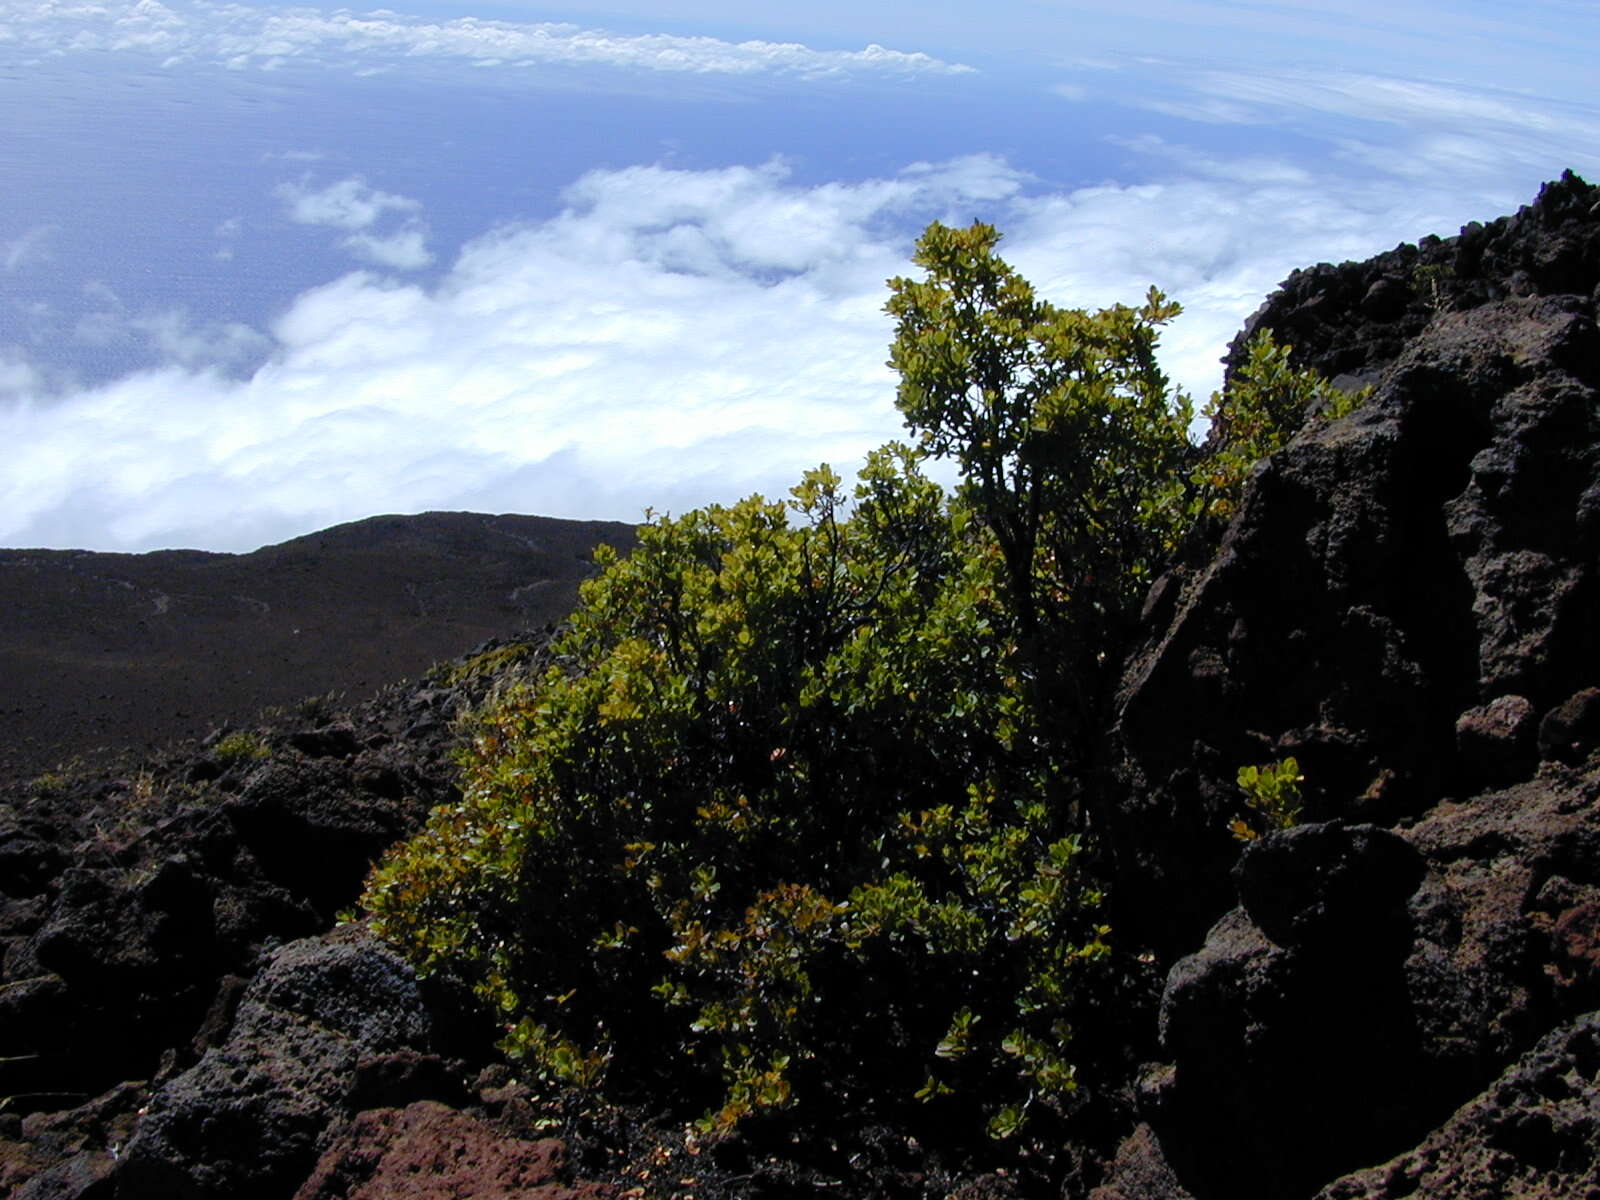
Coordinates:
[103,652]
[1535,1132]
[1388,576]
[1405,603]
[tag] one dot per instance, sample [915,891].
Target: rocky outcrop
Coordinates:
[1352,320]
[244,1121]
[130,963]
[1534,1133]
[1397,587]
[1404,603]
[1374,981]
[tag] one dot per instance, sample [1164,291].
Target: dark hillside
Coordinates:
[105,652]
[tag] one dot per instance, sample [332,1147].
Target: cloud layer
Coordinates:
[671,338]
[237,36]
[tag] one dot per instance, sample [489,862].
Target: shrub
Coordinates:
[1073,447]
[793,814]
[1272,791]
[779,775]
[239,747]
[1266,403]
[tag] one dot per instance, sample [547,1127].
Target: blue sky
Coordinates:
[266,268]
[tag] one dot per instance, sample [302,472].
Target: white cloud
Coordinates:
[403,251]
[672,338]
[29,249]
[18,376]
[268,38]
[353,206]
[178,338]
[1413,128]
[349,204]
[173,335]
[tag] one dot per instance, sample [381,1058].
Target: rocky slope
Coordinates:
[1396,998]
[1405,603]
[105,652]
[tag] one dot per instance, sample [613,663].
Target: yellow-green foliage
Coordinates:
[239,747]
[793,818]
[1267,402]
[1272,791]
[1073,447]
[491,662]
[782,753]
[55,783]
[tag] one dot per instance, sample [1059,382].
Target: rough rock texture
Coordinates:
[139,908]
[125,964]
[1404,603]
[1386,574]
[1368,1014]
[429,1152]
[1140,1171]
[1535,1133]
[1354,319]
[244,1121]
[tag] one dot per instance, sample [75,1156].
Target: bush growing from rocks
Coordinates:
[795,817]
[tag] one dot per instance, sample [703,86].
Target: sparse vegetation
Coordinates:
[1433,283]
[495,662]
[1272,791]
[240,747]
[1267,402]
[54,782]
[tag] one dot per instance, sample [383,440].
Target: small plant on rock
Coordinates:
[1272,791]
[1266,403]
[239,747]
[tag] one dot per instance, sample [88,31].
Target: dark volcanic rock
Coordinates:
[1535,1132]
[1571,730]
[245,1120]
[88,1176]
[1386,574]
[1367,1017]
[1497,742]
[312,830]
[1326,885]
[1141,1172]
[1354,319]
[1292,1065]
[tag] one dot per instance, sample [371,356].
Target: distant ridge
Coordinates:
[104,652]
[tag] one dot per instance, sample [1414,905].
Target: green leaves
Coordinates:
[796,816]
[1272,791]
[1073,449]
[774,758]
[1267,402]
